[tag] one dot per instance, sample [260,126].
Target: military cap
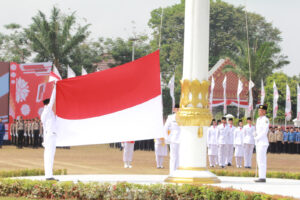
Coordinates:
[264,107]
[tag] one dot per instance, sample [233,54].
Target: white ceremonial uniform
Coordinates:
[248,132]
[262,143]
[172,131]
[229,145]
[161,150]
[128,153]
[222,134]
[49,124]
[212,145]
[238,145]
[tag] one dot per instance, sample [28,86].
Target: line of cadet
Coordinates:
[223,138]
[26,133]
[287,141]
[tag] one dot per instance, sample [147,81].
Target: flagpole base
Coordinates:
[193,176]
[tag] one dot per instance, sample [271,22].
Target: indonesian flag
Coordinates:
[54,75]
[212,86]
[224,87]
[250,106]
[239,90]
[288,106]
[298,102]
[119,104]
[171,86]
[275,99]
[83,71]
[262,93]
[70,73]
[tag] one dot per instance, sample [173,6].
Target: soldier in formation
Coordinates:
[28,133]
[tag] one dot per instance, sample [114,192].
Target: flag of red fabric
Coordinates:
[119,104]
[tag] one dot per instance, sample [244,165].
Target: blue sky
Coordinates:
[114,18]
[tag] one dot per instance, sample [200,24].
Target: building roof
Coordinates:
[232,82]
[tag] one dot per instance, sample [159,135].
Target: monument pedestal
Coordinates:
[192,164]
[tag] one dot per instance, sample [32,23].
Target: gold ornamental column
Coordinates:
[194,116]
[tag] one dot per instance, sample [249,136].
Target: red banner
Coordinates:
[28,88]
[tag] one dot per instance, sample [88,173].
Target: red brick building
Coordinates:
[231,86]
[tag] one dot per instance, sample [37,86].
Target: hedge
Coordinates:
[30,172]
[284,175]
[81,191]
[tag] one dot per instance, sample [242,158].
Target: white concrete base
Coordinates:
[192,177]
[285,187]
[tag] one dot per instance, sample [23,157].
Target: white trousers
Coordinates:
[261,159]
[213,160]
[159,161]
[222,154]
[229,153]
[248,152]
[239,161]
[49,153]
[128,152]
[174,157]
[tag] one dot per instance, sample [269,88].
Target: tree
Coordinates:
[85,55]
[14,46]
[281,80]
[264,59]
[227,28]
[54,39]
[121,49]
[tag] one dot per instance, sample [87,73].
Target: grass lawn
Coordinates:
[101,159]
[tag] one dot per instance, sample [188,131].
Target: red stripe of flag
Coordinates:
[109,91]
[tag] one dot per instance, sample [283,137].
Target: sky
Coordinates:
[120,18]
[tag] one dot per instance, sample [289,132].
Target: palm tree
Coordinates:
[264,59]
[52,40]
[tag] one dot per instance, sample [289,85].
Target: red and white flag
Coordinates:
[275,99]
[212,86]
[250,106]
[70,73]
[119,104]
[224,94]
[262,93]
[288,104]
[239,90]
[298,102]
[83,71]
[54,75]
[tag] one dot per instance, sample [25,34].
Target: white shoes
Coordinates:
[127,165]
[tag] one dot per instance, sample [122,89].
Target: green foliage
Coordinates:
[14,46]
[30,172]
[121,49]
[55,38]
[69,190]
[281,80]
[227,29]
